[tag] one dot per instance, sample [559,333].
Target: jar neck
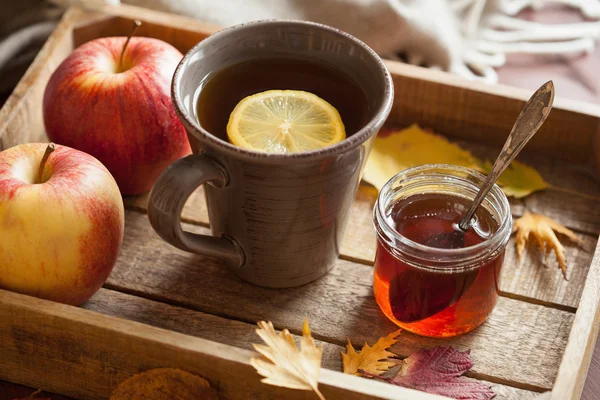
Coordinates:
[449,180]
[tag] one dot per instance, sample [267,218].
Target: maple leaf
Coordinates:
[164,384]
[285,364]
[519,180]
[542,228]
[438,371]
[370,358]
[411,147]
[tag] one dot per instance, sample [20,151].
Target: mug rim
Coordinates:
[371,127]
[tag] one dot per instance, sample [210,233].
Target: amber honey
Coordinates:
[434,291]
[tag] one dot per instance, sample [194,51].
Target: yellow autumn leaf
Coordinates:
[542,228]
[370,359]
[411,147]
[164,384]
[519,180]
[284,364]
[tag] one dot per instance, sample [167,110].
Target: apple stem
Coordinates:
[136,25]
[51,147]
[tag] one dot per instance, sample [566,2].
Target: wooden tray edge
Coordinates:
[577,357]
[19,93]
[395,67]
[75,14]
[94,332]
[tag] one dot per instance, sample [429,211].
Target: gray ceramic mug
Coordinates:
[277,219]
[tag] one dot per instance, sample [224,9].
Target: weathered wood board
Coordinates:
[164,307]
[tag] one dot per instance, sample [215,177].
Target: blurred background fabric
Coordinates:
[490,40]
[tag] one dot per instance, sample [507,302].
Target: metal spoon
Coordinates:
[532,116]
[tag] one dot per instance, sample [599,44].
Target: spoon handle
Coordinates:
[532,116]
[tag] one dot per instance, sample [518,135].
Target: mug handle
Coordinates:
[168,196]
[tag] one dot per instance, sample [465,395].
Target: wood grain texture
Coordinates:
[182,39]
[578,178]
[85,355]
[180,31]
[450,108]
[528,278]
[582,339]
[21,116]
[577,212]
[472,111]
[541,281]
[222,330]
[339,305]
[190,322]
[591,389]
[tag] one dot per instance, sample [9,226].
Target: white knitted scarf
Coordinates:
[466,37]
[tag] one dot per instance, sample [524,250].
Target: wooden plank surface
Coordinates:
[222,330]
[196,323]
[540,281]
[568,136]
[582,339]
[580,213]
[85,355]
[21,115]
[528,279]
[180,31]
[575,177]
[513,346]
[476,111]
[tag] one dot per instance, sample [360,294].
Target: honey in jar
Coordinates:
[433,290]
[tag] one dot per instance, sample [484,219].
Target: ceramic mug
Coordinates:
[277,219]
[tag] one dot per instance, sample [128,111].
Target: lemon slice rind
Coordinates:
[284,121]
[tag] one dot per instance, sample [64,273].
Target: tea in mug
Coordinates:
[251,100]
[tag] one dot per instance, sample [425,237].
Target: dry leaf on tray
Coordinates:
[164,384]
[411,147]
[519,180]
[370,359]
[542,228]
[283,364]
[438,371]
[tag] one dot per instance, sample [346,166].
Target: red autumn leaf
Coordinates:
[438,371]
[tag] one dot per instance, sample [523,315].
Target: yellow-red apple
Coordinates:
[119,111]
[61,227]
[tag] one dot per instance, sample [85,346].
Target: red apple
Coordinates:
[120,114]
[61,230]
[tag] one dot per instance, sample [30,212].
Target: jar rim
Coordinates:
[466,255]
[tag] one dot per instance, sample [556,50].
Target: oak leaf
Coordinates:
[284,364]
[542,228]
[370,359]
[411,147]
[164,384]
[438,371]
[519,180]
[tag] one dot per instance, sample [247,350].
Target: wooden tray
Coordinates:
[163,307]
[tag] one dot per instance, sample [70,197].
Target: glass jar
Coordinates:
[434,291]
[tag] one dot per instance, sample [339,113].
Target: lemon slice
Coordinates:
[284,121]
